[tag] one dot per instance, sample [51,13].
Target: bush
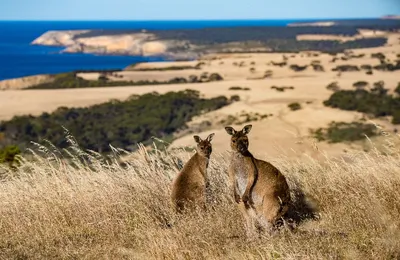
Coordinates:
[279,64]
[360,84]
[122,123]
[281,89]
[8,155]
[268,74]
[346,68]
[375,102]
[298,68]
[235,98]
[378,55]
[397,89]
[334,86]
[294,106]
[366,67]
[318,67]
[238,88]
[215,77]
[345,132]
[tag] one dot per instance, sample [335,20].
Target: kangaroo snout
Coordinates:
[242,147]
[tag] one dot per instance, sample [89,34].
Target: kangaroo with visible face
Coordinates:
[259,188]
[188,188]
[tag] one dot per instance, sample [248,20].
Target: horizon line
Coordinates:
[194,20]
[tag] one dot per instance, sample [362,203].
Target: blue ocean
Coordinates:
[18,58]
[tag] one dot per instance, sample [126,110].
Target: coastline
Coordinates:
[119,50]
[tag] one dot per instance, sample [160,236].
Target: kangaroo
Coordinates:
[259,188]
[188,188]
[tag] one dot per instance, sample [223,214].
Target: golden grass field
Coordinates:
[53,210]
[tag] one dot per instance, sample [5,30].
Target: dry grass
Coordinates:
[53,210]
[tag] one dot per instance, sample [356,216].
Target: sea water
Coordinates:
[19,58]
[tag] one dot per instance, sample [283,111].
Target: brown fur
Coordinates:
[259,188]
[188,188]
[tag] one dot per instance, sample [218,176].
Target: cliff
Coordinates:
[24,82]
[137,44]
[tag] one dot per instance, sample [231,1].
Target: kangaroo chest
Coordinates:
[241,171]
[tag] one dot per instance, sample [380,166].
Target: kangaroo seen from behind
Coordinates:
[259,188]
[188,188]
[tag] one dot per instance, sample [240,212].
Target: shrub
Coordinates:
[268,74]
[294,106]
[346,68]
[279,64]
[8,155]
[281,89]
[397,89]
[375,102]
[103,78]
[378,55]
[235,98]
[318,67]
[298,68]
[366,67]
[334,86]
[215,77]
[360,84]
[344,132]
[239,88]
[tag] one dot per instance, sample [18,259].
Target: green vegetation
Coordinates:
[294,106]
[281,89]
[334,86]
[386,66]
[344,132]
[268,74]
[397,89]
[346,68]
[317,67]
[297,68]
[360,84]
[376,101]
[239,88]
[121,124]
[8,155]
[243,118]
[378,55]
[279,64]
[71,80]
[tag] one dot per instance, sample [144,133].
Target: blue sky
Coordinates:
[193,9]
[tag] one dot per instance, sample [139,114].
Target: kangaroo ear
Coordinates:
[197,138]
[230,130]
[246,129]
[210,137]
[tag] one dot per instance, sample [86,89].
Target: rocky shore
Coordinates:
[136,44]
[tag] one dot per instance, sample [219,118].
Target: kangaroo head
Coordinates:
[204,147]
[239,140]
